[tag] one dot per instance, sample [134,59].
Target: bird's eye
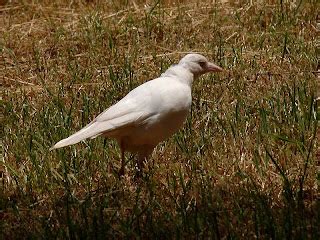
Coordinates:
[202,64]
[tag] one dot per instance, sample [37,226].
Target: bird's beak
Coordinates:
[213,68]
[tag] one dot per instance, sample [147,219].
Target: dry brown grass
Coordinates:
[246,165]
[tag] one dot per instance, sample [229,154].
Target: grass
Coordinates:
[246,163]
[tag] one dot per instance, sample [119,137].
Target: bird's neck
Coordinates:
[180,73]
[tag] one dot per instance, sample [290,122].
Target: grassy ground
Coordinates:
[245,165]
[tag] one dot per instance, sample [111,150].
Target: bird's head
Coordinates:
[198,64]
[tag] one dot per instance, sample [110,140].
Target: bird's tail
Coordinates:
[90,131]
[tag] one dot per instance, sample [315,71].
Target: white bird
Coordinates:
[150,113]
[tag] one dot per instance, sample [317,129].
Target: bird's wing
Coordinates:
[132,110]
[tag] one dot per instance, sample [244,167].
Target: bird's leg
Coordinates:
[142,159]
[140,164]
